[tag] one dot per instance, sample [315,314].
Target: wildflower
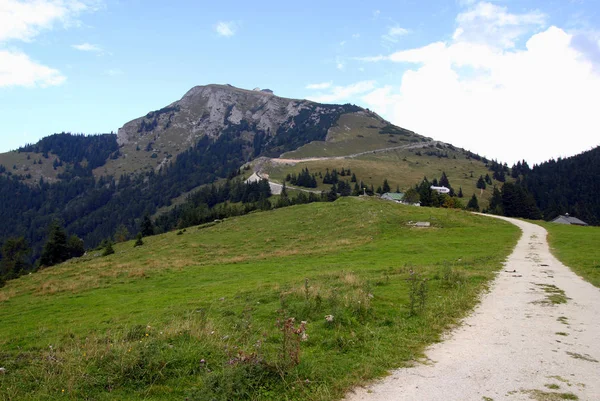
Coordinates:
[2,371]
[329,318]
[146,334]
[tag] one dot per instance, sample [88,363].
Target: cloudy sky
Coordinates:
[508,79]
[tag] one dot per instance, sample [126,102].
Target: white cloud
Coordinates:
[226,29]
[322,85]
[394,33]
[87,47]
[355,35]
[494,25]
[23,20]
[17,69]
[340,93]
[533,103]
[376,13]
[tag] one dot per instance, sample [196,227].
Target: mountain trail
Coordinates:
[383,150]
[520,343]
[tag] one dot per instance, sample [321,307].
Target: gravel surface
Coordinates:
[517,344]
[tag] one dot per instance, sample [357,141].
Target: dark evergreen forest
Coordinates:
[570,185]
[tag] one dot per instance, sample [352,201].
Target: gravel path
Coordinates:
[516,345]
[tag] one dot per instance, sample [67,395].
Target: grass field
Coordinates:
[204,314]
[577,247]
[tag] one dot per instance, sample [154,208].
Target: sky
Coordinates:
[508,79]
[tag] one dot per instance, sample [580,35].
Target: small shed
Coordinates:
[566,219]
[393,196]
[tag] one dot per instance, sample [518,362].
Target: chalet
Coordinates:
[566,219]
[393,196]
[397,197]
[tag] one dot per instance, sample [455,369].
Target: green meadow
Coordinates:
[300,303]
[577,247]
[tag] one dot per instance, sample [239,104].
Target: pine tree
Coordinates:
[460,192]
[496,202]
[14,257]
[386,186]
[444,182]
[473,204]
[147,228]
[284,193]
[55,250]
[138,240]
[481,183]
[108,249]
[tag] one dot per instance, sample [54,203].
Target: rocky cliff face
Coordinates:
[267,124]
[209,110]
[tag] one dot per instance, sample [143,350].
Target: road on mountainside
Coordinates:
[368,152]
[517,344]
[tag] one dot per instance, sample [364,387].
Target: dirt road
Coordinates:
[517,344]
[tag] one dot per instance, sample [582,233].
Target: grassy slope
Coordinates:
[577,247]
[353,133]
[211,292]
[26,166]
[402,168]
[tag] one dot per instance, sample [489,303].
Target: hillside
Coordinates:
[195,314]
[95,185]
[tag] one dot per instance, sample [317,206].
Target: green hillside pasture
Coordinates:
[25,166]
[402,168]
[353,133]
[203,314]
[577,247]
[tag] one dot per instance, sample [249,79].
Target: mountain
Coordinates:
[94,185]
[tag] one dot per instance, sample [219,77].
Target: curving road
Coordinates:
[516,345]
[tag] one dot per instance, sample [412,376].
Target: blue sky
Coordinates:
[508,79]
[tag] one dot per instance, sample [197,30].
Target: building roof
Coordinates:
[395,196]
[569,220]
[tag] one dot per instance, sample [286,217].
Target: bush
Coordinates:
[108,250]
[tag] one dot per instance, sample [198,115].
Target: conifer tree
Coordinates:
[386,186]
[444,182]
[138,240]
[147,228]
[55,250]
[473,204]
[481,183]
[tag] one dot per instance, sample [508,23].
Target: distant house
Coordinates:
[566,219]
[393,196]
[442,190]
[397,197]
